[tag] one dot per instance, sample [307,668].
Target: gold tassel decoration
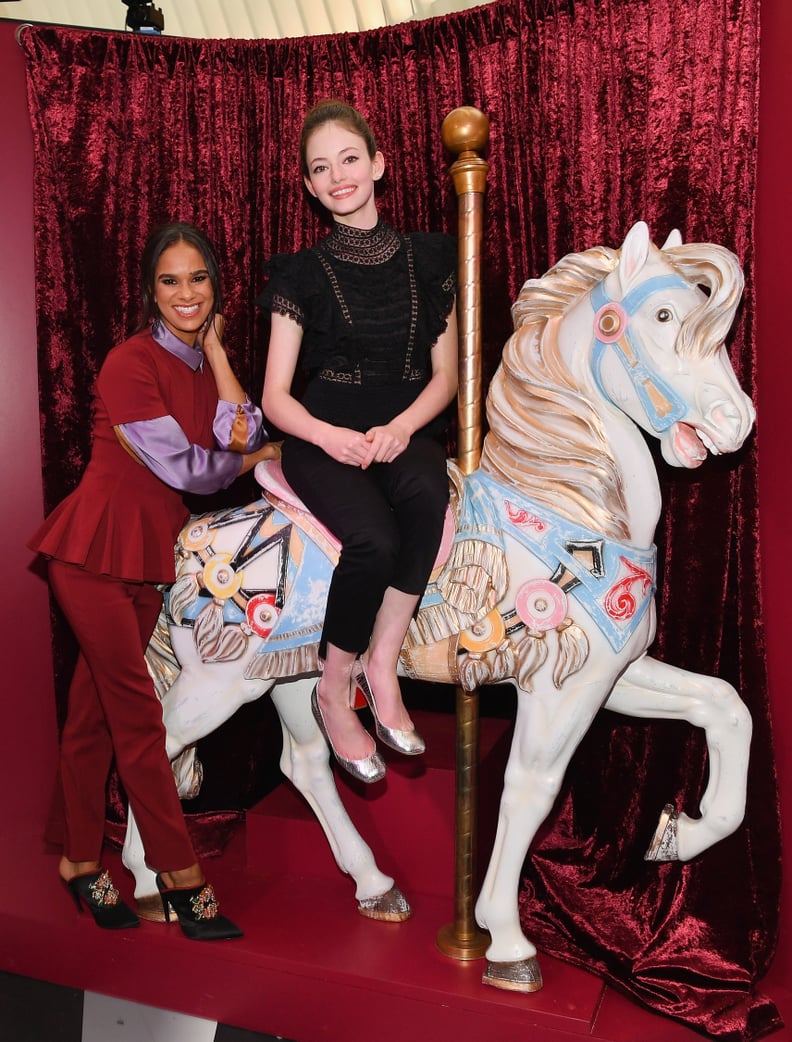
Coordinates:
[573,651]
[531,656]
[474,672]
[293,662]
[472,582]
[188,773]
[183,593]
[214,641]
[161,663]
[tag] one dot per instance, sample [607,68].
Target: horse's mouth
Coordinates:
[690,445]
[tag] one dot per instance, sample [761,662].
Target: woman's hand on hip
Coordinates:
[386,443]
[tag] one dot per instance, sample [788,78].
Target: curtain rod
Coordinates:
[64,25]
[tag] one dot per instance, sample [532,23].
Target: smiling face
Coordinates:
[183,291]
[342,174]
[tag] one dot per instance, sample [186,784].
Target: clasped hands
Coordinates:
[377,445]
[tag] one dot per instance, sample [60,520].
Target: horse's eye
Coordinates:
[664,315]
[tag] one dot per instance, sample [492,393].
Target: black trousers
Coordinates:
[389,520]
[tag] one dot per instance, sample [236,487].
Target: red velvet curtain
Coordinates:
[601,112]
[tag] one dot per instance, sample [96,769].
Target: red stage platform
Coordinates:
[310,967]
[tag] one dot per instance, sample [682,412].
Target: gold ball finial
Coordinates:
[465,129]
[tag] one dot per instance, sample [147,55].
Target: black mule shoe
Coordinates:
[96,891]
[198,912]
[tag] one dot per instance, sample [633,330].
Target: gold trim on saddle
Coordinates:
[275,489]
[471,581]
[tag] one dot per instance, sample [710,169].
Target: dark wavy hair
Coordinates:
[161,239]
[333,110]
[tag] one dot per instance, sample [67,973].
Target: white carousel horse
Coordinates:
[548,581]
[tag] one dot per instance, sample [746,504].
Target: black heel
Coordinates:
[96,891]
[198,912]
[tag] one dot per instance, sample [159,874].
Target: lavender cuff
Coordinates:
[164,448]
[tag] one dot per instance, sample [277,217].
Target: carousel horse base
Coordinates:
[310,968]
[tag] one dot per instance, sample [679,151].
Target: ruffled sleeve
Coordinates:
[284,290]
[436,272]
[297,287]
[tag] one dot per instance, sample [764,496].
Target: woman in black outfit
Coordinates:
[369,313]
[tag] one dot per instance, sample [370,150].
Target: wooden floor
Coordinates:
[310,967]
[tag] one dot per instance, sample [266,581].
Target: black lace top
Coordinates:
[371,303]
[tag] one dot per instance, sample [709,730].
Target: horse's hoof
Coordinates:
[664,842]
[523,975]
[149,907]
[390,907]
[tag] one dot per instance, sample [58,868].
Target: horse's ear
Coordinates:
[674,239]
[634,252]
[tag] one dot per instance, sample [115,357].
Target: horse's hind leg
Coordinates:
[654,689]
[305,762]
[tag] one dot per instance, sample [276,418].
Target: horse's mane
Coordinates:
[545,436]
[718,271]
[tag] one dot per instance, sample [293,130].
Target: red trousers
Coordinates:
[113,709]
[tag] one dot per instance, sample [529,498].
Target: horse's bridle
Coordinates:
[663,406]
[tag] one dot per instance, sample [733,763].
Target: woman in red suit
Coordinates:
[169,417]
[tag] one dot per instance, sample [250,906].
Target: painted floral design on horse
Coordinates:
[546,578]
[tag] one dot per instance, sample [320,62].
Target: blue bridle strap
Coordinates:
[663,406]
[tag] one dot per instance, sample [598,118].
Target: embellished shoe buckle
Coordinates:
[204,904]
[102,890]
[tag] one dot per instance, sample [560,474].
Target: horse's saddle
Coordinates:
[469,573]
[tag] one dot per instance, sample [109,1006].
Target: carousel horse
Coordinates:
[546,576]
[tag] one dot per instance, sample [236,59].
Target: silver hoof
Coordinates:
[523,975]
[390,907]
[664,842]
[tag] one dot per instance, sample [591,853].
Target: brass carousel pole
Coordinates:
[465,132]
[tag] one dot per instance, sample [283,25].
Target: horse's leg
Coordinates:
[650,688]
[547,731]
[187,776]
[305,762]
[204,695]
[147,899]
[200,698]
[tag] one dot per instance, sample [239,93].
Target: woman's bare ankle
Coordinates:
[69,869]
[183,878]
[384,683]
[347,734]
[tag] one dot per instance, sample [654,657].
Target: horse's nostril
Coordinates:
[728,424]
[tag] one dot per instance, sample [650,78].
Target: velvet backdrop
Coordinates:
[601,112]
